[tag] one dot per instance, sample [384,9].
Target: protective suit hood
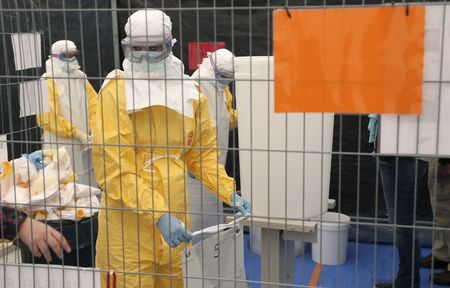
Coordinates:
[150,88]
[149,24]
[63,46]
[218,64]
[223,59]
[56,67]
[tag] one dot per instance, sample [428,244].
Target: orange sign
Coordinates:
[349,60]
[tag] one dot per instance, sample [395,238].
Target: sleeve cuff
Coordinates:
[14,221]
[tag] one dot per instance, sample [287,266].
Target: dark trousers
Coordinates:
[401,178]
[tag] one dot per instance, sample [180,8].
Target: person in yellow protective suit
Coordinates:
[148,131]
[213,77]
[73,103]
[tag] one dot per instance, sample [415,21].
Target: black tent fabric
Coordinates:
[84,22]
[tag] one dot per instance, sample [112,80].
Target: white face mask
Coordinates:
[70,65]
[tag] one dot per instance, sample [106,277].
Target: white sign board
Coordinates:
[428,133]
[27,50]
[47,276]
[3,149]
[34,97]
[285,159]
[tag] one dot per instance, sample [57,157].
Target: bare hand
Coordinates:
[38,237]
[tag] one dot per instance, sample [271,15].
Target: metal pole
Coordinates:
[115,28]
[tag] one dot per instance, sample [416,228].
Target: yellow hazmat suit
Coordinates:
[55,122]
[233,113]
[141,160]
[73,103]
[205,207]
[58,128]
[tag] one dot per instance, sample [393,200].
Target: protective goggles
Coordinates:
[134,50]
[67,55]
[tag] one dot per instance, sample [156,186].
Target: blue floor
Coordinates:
[358,271]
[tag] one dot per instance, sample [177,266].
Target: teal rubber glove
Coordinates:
[173,230]
[36,158]
[240,204]
[373,128]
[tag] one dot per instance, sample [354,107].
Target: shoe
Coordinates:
[384,285]
[426,262]
[441,278]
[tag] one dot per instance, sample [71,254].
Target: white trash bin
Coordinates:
[332,239]
[255,243]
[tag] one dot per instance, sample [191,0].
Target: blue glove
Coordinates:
[36,158]
[173,230]
[240,204]
[373,128]
[191,175]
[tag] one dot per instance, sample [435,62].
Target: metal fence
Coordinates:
[114,169]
